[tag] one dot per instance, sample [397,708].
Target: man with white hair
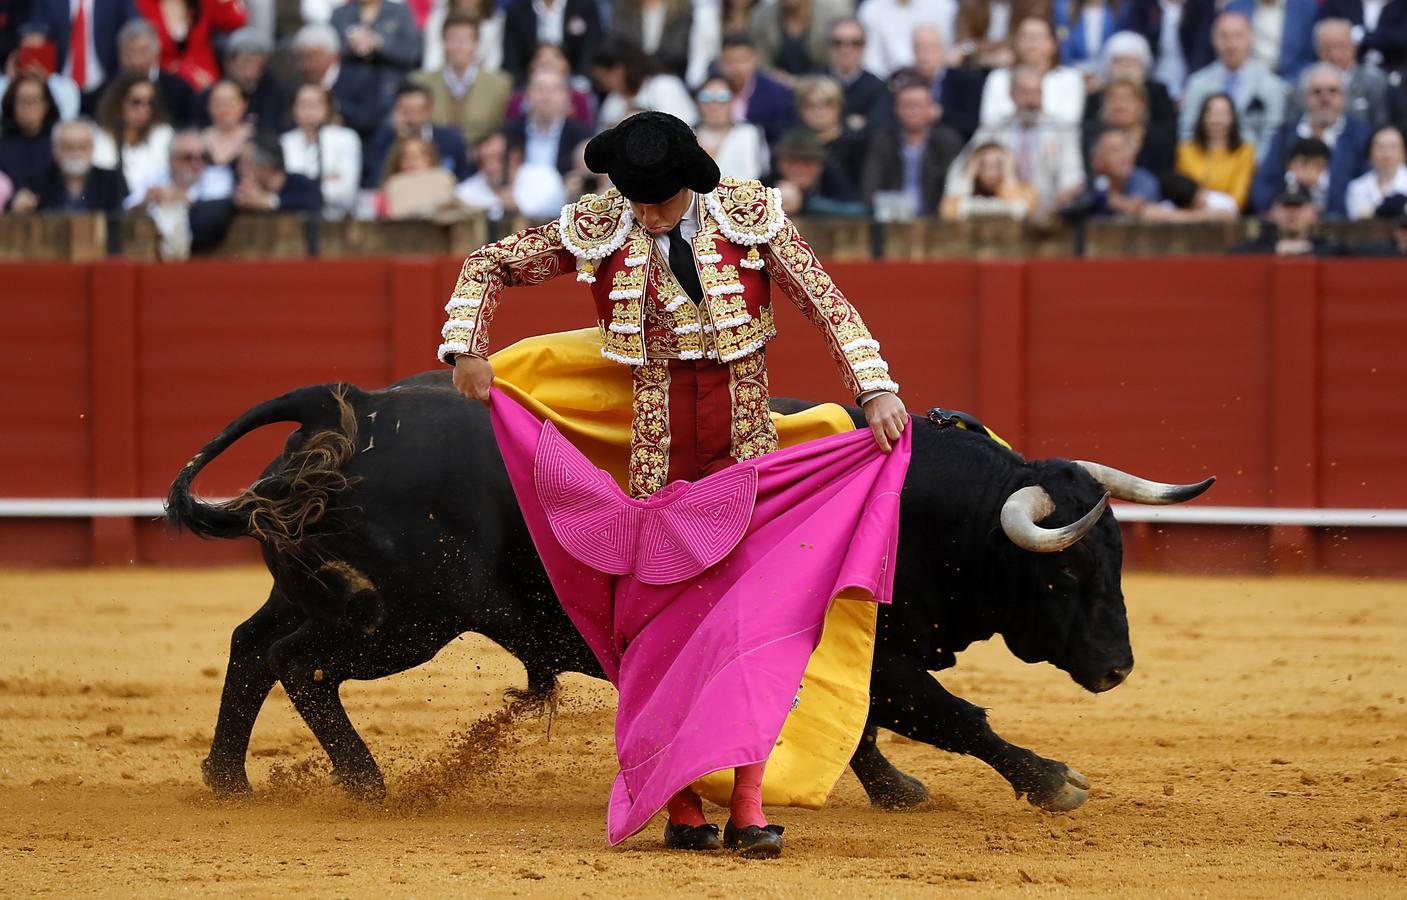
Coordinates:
[956,89]
[1259,96]
[1126,56]
[138,52]
[1379,28]
[355,91]
[75,184]
[1280,33]
[1367,85]
[246,57]
[889,26]
[1324,119]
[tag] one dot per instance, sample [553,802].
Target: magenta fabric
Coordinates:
[708,666]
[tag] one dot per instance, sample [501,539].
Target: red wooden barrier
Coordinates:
[1285,378]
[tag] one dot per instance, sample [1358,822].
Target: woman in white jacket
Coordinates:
[739,149]
[1062,87]
[322,150]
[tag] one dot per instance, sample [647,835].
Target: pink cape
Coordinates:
[704,602]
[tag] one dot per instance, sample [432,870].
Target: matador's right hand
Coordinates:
[473,375]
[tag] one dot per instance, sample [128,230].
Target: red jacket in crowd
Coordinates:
[194,59]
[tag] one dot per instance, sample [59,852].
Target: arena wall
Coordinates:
[1286,378]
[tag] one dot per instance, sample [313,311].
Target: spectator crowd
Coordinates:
[195,111]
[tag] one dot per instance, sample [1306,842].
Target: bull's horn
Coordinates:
[1028,506]
[1140,490]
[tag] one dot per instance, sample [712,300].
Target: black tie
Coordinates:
[681,263]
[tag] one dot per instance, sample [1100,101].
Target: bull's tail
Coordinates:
[278,508]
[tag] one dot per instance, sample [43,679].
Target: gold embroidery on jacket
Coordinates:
[649,429]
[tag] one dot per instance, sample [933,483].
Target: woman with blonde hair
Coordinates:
[988,186]
[820,105]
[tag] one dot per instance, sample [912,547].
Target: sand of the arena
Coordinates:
[1259,749]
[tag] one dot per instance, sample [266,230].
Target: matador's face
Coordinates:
[660,218]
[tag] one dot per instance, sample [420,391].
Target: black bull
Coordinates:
[390,528]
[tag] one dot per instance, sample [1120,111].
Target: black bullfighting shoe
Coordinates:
[754,841]
[691,837]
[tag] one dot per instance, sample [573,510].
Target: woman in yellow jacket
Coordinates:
[1216,157]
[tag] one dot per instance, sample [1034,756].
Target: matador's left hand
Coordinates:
[887,418]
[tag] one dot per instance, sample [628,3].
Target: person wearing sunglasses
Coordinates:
[132,132]
[739,148]
[868,103]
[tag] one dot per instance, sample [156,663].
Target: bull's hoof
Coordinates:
[365,787]
[1068,791]
[899,792]
[230,784]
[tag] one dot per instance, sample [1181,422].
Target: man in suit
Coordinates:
[96,22]
[757,99]
[956,90]
[1260,97]
[573,25]
[462,94]
[246,58]
[1179,32]
[389,48]
[264,185]
[914,154]
[1046,152]
[410,116]
[867,100]
[1344,138]
[1284,33]
[354,89]
[546,134]
[75,184]
[138,51]
[1380,28]
[1367,85]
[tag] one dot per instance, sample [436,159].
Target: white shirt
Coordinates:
[140,163]
[664,93]
[541,146]
[1372,9]
[1092,18]
[742,153]
[329,78]
[1330,135]
[889,30]
[1365,194]
[550,21]
[1267,26]
[458,85]
[998,20]
[214,183]
[1171,68]
[652,27]
[334,160]
[1062,96]
[688,227]
[93,74]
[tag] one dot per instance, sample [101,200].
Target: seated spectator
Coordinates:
[1289,229]
[660,28]
[262,184]
[1346,138]
[380,37]
[1258,95]
[868,103]
[188,201]
[913,156]
[1084,27]
[792,36]
[1396,244]
[66,96]
[490,188]
[819,105]
[956,90]
[1386,176]
[1046,152]
[987,185]
[1184,200]
[1119,187]
[186,32]
[573,25]
[712,19]
[757,98]
[985,29]
[247,65]
[1281,33]
[1063,87]
[888,26]
[1216,157]
[133,134]
[320,149]
[1126,107]
[489,17]
[1367,85]
[464,95]
[629,82]
[354,89]
[1179,32]
[88,66]
[550,58]
[545,136]
[228,130]
[27,120]
[1379,28]
[1126,56]
[736,15]
[414,184]
[410,117]
[809,184]
[139,51]
[740,149]
[7,191]
[75,184]
[506,186]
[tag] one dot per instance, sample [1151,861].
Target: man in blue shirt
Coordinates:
[1120,188]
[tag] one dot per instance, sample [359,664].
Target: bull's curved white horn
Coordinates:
[1028,506]
[1140,490]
